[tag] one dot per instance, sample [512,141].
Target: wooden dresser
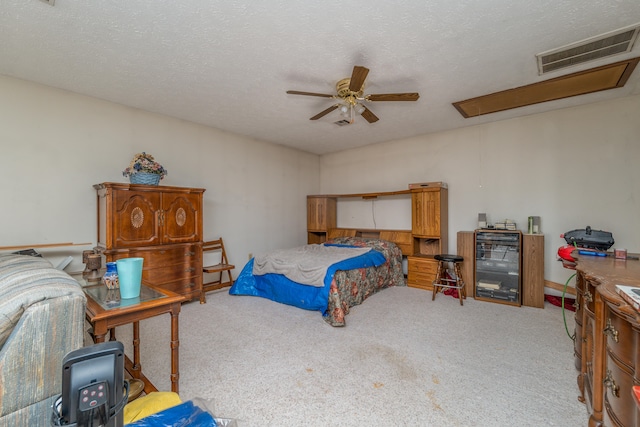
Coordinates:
[161,224]
[607,343]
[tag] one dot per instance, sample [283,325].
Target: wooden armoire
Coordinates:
[161,224]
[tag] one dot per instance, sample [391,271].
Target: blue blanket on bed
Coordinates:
[277,287]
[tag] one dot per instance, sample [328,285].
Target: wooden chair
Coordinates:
[215,246]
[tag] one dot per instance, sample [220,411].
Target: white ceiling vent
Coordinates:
[602,46]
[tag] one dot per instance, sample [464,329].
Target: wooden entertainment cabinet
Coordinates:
[161,224]
[607,340]
[429,227]
[532,268]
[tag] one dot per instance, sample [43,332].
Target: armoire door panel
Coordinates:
[180,218]
[135,220]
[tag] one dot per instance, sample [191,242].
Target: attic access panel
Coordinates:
[594,80]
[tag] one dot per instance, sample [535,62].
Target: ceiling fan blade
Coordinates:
[357,78]
[369,116]
[324,113]
[393,97]
[296,92]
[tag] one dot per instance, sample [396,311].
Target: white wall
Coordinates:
[55,145]
[573,167]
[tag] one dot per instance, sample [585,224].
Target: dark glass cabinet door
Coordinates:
[498,266]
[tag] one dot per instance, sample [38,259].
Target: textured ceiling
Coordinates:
[228,63]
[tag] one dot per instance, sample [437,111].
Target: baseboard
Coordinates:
[215,286]
[559,287]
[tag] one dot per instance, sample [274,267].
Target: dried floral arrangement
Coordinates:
[143,162]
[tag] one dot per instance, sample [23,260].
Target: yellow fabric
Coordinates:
[150,404]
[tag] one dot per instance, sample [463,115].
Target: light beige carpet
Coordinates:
[401,360]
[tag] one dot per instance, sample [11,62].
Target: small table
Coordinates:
[105,311]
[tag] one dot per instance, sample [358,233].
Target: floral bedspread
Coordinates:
[352,287]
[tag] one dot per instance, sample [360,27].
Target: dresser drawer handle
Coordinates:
[611,331]
[189,270]
[588,297]
[189,253]
[191,285]
[611,384]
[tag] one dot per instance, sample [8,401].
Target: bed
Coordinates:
[346,283]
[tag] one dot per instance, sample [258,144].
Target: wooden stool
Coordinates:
[443,278]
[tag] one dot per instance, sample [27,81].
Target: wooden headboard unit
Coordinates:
[402,238]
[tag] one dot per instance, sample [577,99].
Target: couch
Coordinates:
[41,320]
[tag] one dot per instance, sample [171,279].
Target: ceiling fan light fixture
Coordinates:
[349,111]
[345,112]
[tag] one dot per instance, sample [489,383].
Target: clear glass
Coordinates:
[110,298]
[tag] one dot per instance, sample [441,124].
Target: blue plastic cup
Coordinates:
[130,276]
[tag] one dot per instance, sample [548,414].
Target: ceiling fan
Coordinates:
[350,93]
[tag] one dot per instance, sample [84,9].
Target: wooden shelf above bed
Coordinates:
[364,195]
